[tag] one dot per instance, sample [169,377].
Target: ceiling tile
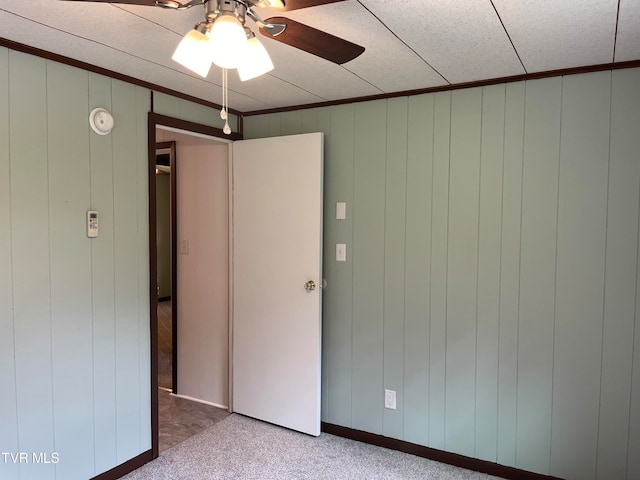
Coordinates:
[266,91]
[178,21]
[387,64]
[409,45]
[551,35]
[102,24]
[462,40]
[240,96]
[628,41]
[302,69]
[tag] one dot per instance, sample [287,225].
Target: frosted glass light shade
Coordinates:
[255,62]
[227,41]
[271,3]
[193,53]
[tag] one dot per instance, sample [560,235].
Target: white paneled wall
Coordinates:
[492,273]
[74,311]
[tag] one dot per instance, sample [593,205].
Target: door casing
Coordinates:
[155,120]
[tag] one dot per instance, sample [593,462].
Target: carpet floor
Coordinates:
[242,448]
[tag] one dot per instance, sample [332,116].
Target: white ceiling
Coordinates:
[411,44]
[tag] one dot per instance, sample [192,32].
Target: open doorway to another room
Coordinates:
[165,213]
[192,233]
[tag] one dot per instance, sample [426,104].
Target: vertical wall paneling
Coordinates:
[255,127]
[439,239]
[272,127]
[462,270]
[489,227]
[291,122]
[267,126]
[103,283]
[319,120]
[166,105]
[633,460]
[338,296]
[8,418]
[310,121]
[394,262]
[74,349]
[193,112]
[275,125]
[210,116]
[126,270]
[70,250]
[582,210]
[368,265]
[620,276]
[510,272]
[537,271]
[142,189]
[30,258]
[417,267]
[517,270]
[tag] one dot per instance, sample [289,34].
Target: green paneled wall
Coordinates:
[8,406]
[193,112]
[74,312]
[491,274]
[491,277]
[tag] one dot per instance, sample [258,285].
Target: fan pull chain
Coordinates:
[224,113]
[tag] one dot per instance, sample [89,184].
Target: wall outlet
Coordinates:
[390,399]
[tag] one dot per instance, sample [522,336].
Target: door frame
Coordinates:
[171,146]
[155,120]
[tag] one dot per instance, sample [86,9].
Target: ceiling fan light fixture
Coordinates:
[227,41]
[271,3]
[193,53]
[256,60]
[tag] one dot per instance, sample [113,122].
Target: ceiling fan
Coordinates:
[282,29]
[223,39]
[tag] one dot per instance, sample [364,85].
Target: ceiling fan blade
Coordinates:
[150,3]
[298,4]
[314,41]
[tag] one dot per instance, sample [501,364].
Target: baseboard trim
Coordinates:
[441,456]
[126,467]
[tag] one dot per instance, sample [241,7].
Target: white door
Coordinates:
[277,250]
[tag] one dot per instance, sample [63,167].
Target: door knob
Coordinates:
[310,286]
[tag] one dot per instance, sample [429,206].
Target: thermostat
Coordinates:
[92,224]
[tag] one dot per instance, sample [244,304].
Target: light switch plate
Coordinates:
[341,211]
[390,399]
[341,252]
[184,247]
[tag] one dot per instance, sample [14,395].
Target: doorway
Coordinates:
[188,255]
[166,268]
[290,168]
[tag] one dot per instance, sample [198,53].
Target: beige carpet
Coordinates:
[242,448]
